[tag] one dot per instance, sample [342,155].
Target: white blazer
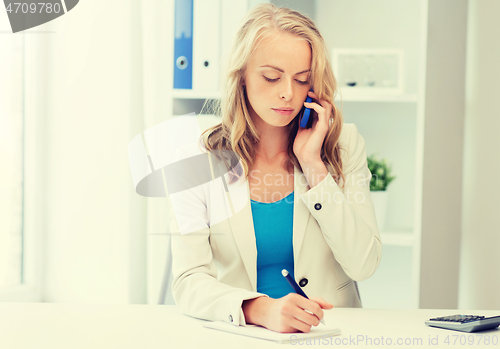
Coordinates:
[335,240]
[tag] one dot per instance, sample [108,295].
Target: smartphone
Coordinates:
[306,114]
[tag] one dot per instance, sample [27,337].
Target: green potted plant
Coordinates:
[381,178]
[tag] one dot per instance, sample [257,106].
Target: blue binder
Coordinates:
[183,44]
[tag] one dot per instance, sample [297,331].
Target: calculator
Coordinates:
[465,323]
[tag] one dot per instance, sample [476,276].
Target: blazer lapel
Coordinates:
[239,211]
[241,220]
[301,213]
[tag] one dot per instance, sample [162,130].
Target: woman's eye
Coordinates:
[274,80]
[270,80]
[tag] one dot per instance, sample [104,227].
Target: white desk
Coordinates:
[73,326]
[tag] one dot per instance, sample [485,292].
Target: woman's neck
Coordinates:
[273,144]
[272,147]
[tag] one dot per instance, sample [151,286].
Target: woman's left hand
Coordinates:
[308,141]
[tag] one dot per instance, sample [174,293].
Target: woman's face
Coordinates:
[277,79]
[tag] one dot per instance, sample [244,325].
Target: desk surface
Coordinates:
[71,325]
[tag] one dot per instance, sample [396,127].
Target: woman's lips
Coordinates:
[283,111]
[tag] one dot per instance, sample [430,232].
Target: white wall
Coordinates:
[443,154]
[307,7]
[95,222]
[479,272]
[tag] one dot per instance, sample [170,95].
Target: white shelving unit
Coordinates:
[389,123]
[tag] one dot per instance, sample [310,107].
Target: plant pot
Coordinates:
[379,199]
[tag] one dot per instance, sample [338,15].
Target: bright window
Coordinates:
[11,154]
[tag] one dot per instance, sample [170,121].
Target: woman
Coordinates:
[300,199]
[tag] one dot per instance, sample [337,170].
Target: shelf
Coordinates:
[397,238]
[190,94]
[368,96]
[348,96]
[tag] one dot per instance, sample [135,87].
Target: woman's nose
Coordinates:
[287,91]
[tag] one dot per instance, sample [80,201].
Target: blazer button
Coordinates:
[231,318]
[303,282]
[317,206]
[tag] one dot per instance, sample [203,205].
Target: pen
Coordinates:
[297,289]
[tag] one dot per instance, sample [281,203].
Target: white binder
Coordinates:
[206,45]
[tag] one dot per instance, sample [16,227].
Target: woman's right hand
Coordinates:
[286,314]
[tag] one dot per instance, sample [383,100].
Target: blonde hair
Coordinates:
[237,132]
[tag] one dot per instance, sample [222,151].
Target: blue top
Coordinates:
[273,223]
